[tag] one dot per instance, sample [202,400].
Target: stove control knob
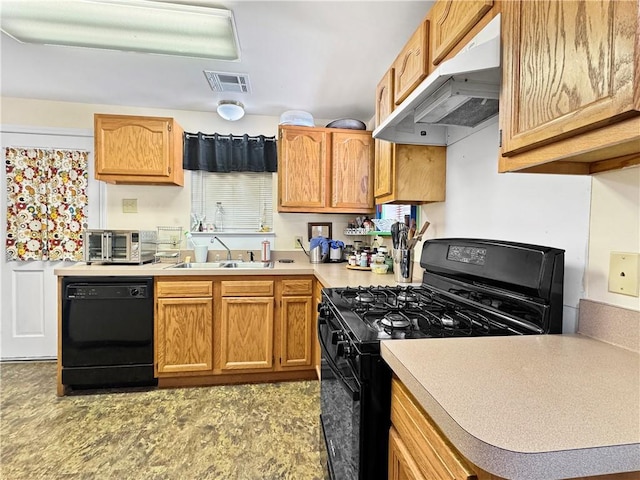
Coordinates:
[323,310]
[344,349]
[337,336]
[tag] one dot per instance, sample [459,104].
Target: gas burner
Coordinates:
[365,297]
[407,296]
[448,321]
[395,321]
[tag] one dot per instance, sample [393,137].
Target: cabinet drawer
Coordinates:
[435,455]
[249,288]
[297,287]
[185,288]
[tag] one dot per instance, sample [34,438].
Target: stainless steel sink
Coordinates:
[224,265]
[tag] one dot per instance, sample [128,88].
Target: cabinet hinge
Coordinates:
[500,138]
[169,127]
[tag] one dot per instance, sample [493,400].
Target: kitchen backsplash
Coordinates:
[616,325]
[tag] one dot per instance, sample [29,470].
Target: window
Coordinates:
[246,198]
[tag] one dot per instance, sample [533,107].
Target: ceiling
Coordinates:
[319,56]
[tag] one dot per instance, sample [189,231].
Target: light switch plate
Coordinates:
[623,273]
[129,205]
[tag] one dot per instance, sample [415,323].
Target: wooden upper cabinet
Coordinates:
[414,174]
[325,170]
[383,167]
[570,71]
[384,97]
[412,64]
[302,168]
[451,20]
[138,150]
[352,171]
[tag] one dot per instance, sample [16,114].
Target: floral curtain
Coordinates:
[46,203]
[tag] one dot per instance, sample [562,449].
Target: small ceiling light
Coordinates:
[128,25]
[230,110]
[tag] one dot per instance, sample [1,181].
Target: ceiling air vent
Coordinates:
[228,82]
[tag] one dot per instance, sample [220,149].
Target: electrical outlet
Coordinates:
[623,273]
[129,205]
[297,241]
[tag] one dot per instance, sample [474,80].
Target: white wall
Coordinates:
[166,205]
[550,210]
[615,226]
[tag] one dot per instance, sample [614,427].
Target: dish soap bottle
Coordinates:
[218,218]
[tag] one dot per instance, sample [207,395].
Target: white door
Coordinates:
[29,308]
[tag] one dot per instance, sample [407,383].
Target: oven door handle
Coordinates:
[355,394]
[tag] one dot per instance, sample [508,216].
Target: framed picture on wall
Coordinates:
[319,230]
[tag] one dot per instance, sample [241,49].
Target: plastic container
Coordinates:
[297,117]
[379,268]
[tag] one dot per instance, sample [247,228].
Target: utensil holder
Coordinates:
[403,265]
[201,252]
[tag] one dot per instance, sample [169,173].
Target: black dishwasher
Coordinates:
[107,332]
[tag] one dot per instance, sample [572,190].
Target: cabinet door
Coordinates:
[352,167]
[296,323]
[411,66]
[569,67]
[127,145]
[302,168]
[383,160]
[246,334]
[184,335]
[451,20]
[384,97]
[384,168]
[401,465]
[436,458]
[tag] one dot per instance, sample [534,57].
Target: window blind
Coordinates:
[246,198]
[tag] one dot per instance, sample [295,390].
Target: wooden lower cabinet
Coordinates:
[183,328]
[296,324]
[246,326]
[423,451]
[402,466]
[219,330]
[317,298]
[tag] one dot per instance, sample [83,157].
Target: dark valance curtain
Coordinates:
[229,153]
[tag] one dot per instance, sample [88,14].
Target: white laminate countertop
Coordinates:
[528,407]
[329,274]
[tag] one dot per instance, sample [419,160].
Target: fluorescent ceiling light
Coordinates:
[230,110]
[129,25]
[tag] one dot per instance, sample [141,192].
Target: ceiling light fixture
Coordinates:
[129,25]
[230,110]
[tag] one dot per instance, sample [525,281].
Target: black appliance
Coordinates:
[107,332]
[470,287]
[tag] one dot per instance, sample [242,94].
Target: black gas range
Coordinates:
[470,287]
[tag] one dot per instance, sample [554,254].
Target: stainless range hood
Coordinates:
[457,99]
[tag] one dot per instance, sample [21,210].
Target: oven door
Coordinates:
[340,405]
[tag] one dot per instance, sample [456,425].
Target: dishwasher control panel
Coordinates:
[86,292]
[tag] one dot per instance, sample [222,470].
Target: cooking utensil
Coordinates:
[395,229]
[417,238]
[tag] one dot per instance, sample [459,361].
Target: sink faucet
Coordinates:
[213,240]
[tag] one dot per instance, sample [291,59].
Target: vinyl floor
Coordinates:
[240,432]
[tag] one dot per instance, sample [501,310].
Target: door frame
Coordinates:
[100,213]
